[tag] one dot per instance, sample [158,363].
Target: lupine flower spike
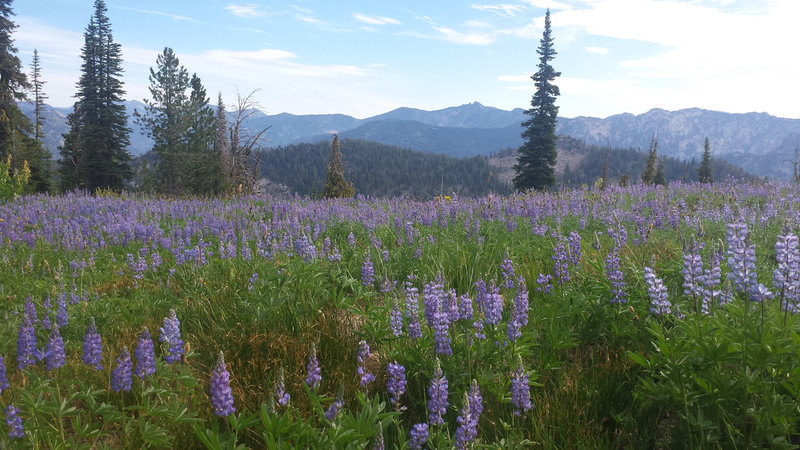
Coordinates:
[145,355]
[171,334]
[54,353]
[418,436]
[396,384]
[92,347]
[437,396]
[520,389]
[14,422]
[336,406]
[314,372]
[220,390]
[121,375]
[363,355]
[3,380]
[282,396]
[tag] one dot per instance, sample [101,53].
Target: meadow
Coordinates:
[637,317]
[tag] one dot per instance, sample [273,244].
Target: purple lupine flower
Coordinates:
[145,355]
[363,355]
[379,444]
[3,379]
[451,306]
[521,302]
[418,436]
[336,406]
[432,298]
[220,390]
[480,294]
[437,396]
[561,262]
[741,257]
[412,309]
[251,282]
[121,377]
[465,307]
[27,351]
[170,333]
[478,326]
[92,346]
[786,278]
[467,430]
[367,272]
[614,275]
[396,319]
[30,311]
[314,376]
[760,293]
[14,422]
[54,351]
[711,280]
[659,304]
[507,272]
[61,314]
[156,258]
[475,401]
[396,384]
[388,285]
[385,255]
[544,282]
[520,389]
[692,272]
[493,305]
[574,241]
[282,396]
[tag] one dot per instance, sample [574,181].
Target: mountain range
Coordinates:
[758,141]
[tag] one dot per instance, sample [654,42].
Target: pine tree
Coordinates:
[38,96]
[650,168]
[705,173]
[94,153]
[222,147]
[27,154]
[335,184]
[164,118]
[660,177]
[537,156]
[203,170]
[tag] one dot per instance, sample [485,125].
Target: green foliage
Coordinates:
[705,173]
[537,156]
[380,170]
[182,128]
[12,182]
[651,166]
[335,184]
[94,153]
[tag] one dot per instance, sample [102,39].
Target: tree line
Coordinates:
[379,170]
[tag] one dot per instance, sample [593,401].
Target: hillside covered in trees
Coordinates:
[379,170]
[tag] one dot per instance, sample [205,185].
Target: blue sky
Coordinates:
[365,57]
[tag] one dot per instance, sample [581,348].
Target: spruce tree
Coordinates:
[165,118]
[202,171]
[537,155]
[222,146]
[94,153]
[15,129]
[38,96]
[705,173]
[650,168]
[660,177]
[335,184]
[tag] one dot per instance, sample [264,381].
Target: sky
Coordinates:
[366,57]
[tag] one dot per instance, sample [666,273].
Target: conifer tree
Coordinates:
[537,155]
[660,177]
[222,147]
[335,184]
[705,173]
[650,168]
[27,154]
[38,96]
[94,153]
[203,170]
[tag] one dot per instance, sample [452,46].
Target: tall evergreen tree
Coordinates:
[15,128]
[705,173]
[94,153]
[165,117]
[650,168]
[222,146]
[335,184]
[38,96]
[537,156]
[660,177]
[203,172]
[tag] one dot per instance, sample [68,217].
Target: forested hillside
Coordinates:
[380,170]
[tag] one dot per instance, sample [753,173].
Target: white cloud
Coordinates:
[248,10]
[472,37]
[502,9]
[375,20]
[163,14]
[598,50]
[552,4]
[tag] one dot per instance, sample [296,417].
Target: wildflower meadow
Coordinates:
[635,317]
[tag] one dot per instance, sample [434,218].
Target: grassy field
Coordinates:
[629,318]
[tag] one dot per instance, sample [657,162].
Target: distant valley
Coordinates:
[760,142]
